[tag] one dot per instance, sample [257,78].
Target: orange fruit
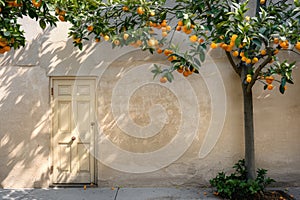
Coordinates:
[90,28]
[117,42]
[247,18]
[297,46]
[193,38]
[180,23]
[242,54]
[235,53]
[249,78]
[164,24]
[106,37]
[159,50]
[179,70]
[97,39]
[125,8]
[269,79]
[77,40]
[186,73]
[186,30]
[164,34]
[140,10]
[270,87]
[233,37]
[213,45]
[244,58]
[152,13]
[37,4]
[151,42]
[178,28]
[276,51]
[262,2]
[6,48]
[254,60]
[125,36]
[61,18]
[201,40]
[263,52]
[169,28]
[163,79]
[276,40]
[248,61]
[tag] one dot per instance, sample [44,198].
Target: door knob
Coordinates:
[73,138]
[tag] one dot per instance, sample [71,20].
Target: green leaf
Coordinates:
[42,24]
[6,33]
[281,89]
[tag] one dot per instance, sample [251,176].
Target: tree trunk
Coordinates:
[249,130]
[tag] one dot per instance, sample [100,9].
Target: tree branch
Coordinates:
[234,66]
[261,66]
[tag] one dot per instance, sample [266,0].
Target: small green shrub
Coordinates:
[236,185]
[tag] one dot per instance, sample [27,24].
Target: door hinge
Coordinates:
[51,91]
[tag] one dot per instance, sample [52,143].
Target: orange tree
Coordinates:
[11,34]
[251,43]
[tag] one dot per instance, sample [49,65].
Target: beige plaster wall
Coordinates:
[148,134]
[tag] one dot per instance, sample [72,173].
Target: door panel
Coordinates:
[73,134]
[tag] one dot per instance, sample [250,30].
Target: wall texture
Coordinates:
[148,134]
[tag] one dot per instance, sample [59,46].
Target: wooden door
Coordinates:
[73,131]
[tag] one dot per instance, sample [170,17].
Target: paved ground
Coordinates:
[117,194]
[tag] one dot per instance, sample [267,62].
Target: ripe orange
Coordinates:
[179,70]
[193,38]
[125,36]
[262,2]
[254,60]
[90,28]
[242,54]
[180,23]
[97,40]
[276,40]
[201,40]
[178,28]
[297,46]
[164,34]
[244,58]
[77,40]
[125,8]
[186,73]
[213,45]
[37,4]
[117,42]
[163,79]
[151,42]
[152,13]
[140,10]
[61,18]
[248,61]
[263,52]
[276,51]
[269,79]
[106,37]
[6,48]
[169,28]
[235,53]
[249,78]
[186,30]
[164,23]
[270,87]
[159,50]
[233,37]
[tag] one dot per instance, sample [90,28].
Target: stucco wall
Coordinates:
[148,134]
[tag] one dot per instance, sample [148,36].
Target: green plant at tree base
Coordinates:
[237,186]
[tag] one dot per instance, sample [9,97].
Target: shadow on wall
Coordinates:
[25,112]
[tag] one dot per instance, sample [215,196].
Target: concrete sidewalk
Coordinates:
[117,194]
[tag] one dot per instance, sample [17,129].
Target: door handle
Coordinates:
[73,138]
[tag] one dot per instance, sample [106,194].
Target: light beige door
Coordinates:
[73,131]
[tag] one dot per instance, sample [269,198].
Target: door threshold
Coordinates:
[73,185]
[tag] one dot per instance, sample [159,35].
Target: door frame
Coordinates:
[51,98]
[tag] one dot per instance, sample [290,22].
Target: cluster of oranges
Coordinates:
[184,28]
[269,81]
[61,14]
[5,45]
[185,70]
